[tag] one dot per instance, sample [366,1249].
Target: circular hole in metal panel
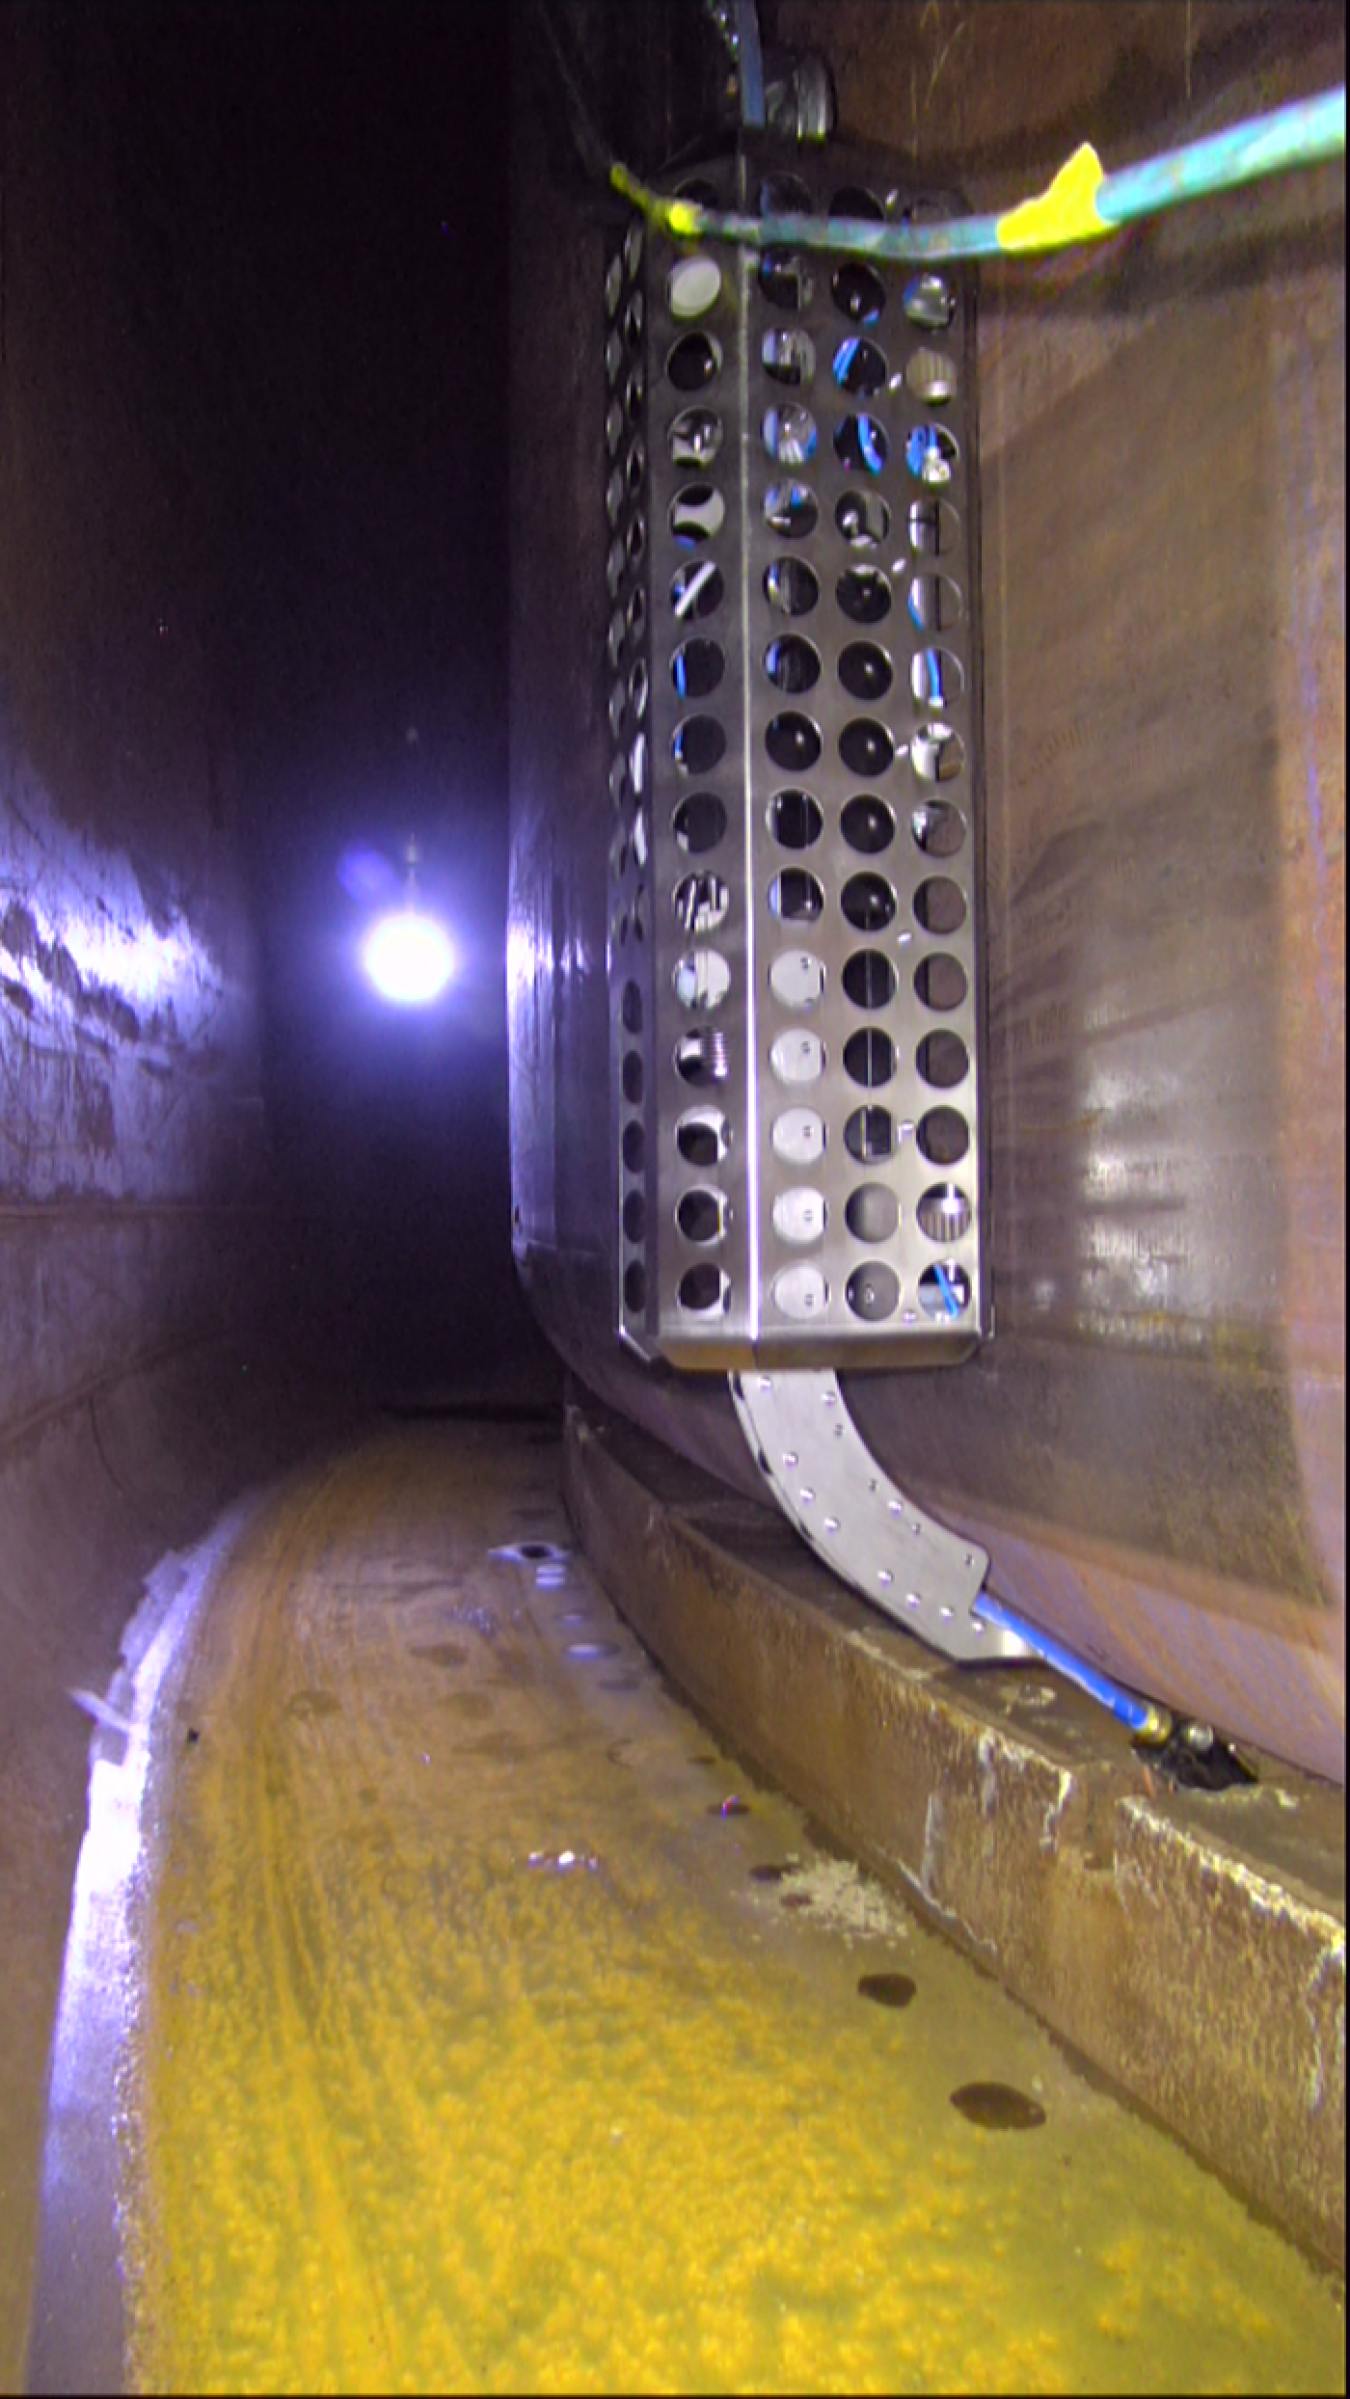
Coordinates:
[943,1060]
[797,979]
[938,828]
[853,201]
[635,1216]
[795,897]
[869,979]
[618,781]
[618,927]
[943,1136]
[934,528]
[634,1148]
[931,377]
[929,301]
[695,437]
[936,678]
[868,902]
[793,664]
[798,1057]
[795,819]
[614,496]
[863,594]
[701,979]
[637,765]
[640,846]
[873,1292]
[867,824]
[786,280]
[800,1293]
[702,1215]
[863,518]
[798,1136]
[940,981]
[703,1137]
[618,711]
[784,195]
[872,1212]
[790,586]
[860,444]
[859,367]
[866,747]
[944,1212]
[632,1078]
[692,286]
[859,293]
[636,543]
[614,424]
[613,353]
[637,689]
[615,636]
[931,454]
[631,1008]
[937,754]
[799,1215]
[637,614]
[616,565]
[944,1291]
[940,905]
[694,361]
[791,510]
[788,355]
[632,245]
[635,1287]
[700,902]
[789,434]
[613,283]
[697,514]
[869,1058]
[696,590]
[701,1058]
[704,1290]
[697,744]
[635,465]
[865,671]
[697,668]
[635,390]
[934,603]
[792,741]
[869,1135]
[640,913]
[699,822]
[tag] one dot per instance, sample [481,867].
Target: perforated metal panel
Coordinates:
[792,691]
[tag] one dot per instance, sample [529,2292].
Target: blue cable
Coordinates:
[1142,1716]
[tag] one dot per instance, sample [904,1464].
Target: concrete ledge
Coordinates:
[1190,1946]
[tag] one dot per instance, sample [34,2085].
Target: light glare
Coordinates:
[408,958]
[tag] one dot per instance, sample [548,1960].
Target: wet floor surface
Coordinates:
[502,2033]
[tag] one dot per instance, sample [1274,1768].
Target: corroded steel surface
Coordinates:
[1151,1445]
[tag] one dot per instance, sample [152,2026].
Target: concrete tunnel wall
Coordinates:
[137,1253]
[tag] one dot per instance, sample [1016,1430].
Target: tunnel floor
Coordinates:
[499,2032]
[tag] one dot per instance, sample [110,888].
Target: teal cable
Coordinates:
[1082,204]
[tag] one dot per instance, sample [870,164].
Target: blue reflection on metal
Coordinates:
[953,1304]
[929,679]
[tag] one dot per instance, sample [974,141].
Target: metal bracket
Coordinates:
[833,1492]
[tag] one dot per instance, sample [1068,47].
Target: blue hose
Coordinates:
[1081,204]
[1143,1716]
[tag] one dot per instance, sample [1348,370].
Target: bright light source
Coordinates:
[408,958]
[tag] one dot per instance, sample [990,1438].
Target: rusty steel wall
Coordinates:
[1151,1446]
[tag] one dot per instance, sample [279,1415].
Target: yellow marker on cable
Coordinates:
[1065,212]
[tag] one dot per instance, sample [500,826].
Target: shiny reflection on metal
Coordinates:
[900,1559]
[788,355]
[791,511]
[695,437]
[863,518]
